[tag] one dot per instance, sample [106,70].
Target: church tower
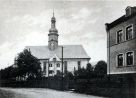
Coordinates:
[53,35]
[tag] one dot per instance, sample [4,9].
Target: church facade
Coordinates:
[56,58]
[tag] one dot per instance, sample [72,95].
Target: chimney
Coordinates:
[130,10]
[107,26]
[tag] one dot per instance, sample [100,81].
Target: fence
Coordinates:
[57,83]
[116,88]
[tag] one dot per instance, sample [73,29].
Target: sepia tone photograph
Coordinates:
[67,49]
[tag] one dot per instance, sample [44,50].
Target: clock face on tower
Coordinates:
[52,44]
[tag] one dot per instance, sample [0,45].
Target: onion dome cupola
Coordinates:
[53,35]
[53,25]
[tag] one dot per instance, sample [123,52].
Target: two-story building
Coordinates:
[121,46]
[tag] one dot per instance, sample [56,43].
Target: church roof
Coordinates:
[69,51]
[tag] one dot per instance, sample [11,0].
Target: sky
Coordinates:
[27,23]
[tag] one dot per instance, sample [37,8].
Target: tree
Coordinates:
[80,73]
[69,75]
[28,65]
[8,72]
[89,70]
[100,69]
[89,67]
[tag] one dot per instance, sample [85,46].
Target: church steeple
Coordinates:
[53,35]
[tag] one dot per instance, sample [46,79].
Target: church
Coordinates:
[55,58]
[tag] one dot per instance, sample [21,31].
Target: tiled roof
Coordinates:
[69,51]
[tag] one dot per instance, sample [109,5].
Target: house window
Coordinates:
[120,60]
[44,68]
[79,64]
[119,36]
[129,58]
[50,65]
[58,65]
[129,32]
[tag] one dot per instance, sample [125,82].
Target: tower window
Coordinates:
[129,32]
[120,60]
[119,36]
[129,58]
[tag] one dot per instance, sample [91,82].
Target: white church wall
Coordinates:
[71,63]
[58,68]
[84,63]
[42,64]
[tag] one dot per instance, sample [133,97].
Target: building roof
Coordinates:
[69,51]
[56,58]
[121,19]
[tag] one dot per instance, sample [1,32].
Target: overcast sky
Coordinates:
[27,22]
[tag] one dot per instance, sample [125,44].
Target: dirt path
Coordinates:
[39,93]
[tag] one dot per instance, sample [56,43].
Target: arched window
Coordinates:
[120,60]
[129,58]
[119,36]
[129,32]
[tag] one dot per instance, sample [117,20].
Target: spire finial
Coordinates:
[53,12]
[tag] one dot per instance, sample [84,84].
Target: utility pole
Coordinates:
[48,68]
